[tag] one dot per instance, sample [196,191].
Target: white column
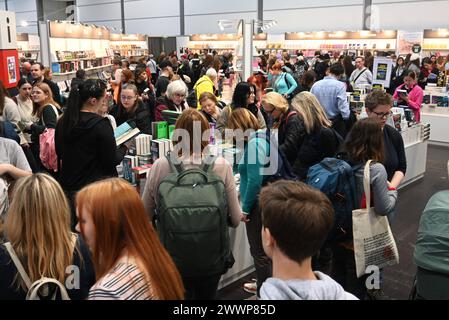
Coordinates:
[248,31]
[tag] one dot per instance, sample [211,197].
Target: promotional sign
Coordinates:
[382,71]
[12,76]
[406,41]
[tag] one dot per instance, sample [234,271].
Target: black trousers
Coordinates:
[201,288]
[30,158]
[344,272]
[261,262]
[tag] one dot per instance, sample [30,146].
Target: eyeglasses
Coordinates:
[381,115]
[124,98]
[181,96]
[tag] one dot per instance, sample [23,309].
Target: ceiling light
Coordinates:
[24,23]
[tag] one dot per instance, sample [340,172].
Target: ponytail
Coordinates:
[91,88]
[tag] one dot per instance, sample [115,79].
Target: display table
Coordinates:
[244,263]
[438,117]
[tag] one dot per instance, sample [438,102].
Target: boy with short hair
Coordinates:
[296,221]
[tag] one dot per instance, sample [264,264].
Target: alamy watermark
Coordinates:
[236,146]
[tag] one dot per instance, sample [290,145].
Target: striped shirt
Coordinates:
[125,281]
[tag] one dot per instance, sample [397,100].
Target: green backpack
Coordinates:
[192,220]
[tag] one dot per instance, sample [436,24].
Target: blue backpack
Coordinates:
[335,178]
[278,161]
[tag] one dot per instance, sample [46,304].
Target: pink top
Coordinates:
[415,97]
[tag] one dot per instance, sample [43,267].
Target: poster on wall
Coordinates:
[12,76]
[382,71]
[406,41]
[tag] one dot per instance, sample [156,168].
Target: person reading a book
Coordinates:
[85,142]
[132,109]
[429,73]
[378,106]
[209,108]
[410,94]
[173,100]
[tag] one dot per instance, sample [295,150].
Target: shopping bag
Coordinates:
[374,244]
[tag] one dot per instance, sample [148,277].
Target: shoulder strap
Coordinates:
[18,264]
[208,164]
[289,85]
[15,259]
[362,72]
[55,110]
[291,113]
[366,184]
[176,168]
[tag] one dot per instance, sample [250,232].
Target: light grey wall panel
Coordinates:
[216,6]
[150,8]
[154,26]
[209,23]
[317,19]
[100,12]
[410,15]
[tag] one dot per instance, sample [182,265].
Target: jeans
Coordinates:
[201,288]
[261,262]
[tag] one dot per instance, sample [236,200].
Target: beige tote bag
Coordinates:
[374,244]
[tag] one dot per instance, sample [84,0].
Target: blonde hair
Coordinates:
[276,100]
[38,227]
[310,111]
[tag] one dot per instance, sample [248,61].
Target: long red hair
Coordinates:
[121,223]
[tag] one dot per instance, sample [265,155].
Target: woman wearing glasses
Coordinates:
[173,100]
[378,106]
[85,142]
[131,109]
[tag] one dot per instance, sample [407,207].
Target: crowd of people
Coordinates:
[70,205]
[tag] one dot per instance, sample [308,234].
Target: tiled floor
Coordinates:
[412,200]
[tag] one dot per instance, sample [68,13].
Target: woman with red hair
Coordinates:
[261,83]
[130,261]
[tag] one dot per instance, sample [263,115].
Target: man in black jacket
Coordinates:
[37,72]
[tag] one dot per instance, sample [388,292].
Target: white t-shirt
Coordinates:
[365,78]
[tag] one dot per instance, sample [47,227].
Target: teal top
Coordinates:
[250,167]
[280,85]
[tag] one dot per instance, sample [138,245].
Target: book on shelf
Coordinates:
[157,149]
[129,162]
[143,144]
[124,133]
[159,129]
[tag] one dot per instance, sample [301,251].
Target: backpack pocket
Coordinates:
[193,237]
